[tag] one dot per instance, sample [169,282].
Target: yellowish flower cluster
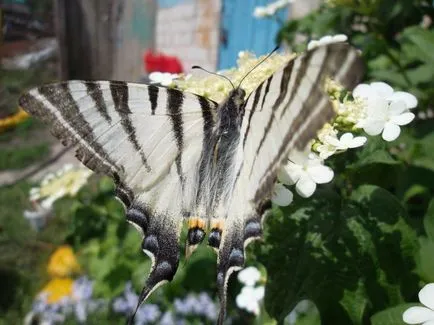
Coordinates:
[218,88]
[13,120]
[67,181]
[61,266]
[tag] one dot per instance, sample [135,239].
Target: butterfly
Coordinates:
[176,156]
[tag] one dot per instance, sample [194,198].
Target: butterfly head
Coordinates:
[237,96]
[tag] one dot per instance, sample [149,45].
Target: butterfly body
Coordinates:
[176,156]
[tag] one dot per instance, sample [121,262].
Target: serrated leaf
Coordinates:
[352,257]
[391,316]
[375,152]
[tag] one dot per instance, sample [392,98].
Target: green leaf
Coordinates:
[352,257]
[425,261]
[424,41]
[375,152]
[428,221]
[391,316]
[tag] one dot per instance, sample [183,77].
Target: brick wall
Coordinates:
[190,30]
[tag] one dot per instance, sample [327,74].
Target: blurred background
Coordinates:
[67,255]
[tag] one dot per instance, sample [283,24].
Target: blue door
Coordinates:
[242,31]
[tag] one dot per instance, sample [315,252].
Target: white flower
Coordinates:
[325,40]
[249,276]
[271,9]
[422,315]
[281,195]
[37,217]
[385,110]
[163,78]
[249,299]
[332,144]
[305,171]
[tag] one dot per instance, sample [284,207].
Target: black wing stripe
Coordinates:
[267,89]
[252,111]
[61,99]
[175,100]
[298,78]
[153,97]
[119,92]
[282,94]
[95,92]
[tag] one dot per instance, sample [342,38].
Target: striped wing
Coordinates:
[284,113]
[149,139]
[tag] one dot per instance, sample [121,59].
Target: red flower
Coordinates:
[162,63]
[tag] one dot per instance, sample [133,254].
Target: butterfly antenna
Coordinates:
[259,63]
[216,74]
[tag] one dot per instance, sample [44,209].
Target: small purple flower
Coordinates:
[146,314]
[201,305]
[82,288]
[127,303]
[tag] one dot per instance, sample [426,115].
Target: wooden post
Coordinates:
[89,34]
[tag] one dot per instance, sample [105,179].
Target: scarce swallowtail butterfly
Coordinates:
[176,156]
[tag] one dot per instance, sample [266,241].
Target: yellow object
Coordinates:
[11,121]
[57,289]
[63,262]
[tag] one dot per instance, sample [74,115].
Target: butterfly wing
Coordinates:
[149,139]
[282,114]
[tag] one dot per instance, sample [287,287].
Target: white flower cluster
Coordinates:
[250,296]
[375,109]
[328,39]
[65,182]
[271,9]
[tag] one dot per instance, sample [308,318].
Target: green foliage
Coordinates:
[17,158]
[352,257]
[362,247]
[391,316]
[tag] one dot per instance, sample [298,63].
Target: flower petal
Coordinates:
[426,295]
[340,38]
[284,178]
[357,142]
[382,89]
[397,107]
[281,195]
[430,322]
[417,315]
[321,174]
[402,119]
[391,131]
[362,91]
[249,276]
[409,99]
[312,44]
[305,186]
[346,138]
[294,172]
[259,293]
[373,127]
